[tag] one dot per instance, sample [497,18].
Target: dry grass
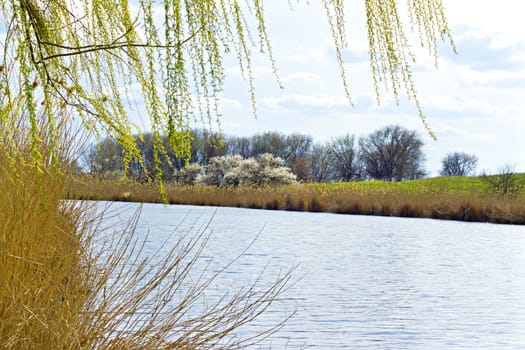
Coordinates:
[68,282]
[41,277]
[466,202]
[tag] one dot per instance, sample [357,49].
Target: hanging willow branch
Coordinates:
[79,50]
[88,58]
[390,54]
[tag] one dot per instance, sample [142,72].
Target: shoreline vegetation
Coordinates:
[72,280]
[470,199]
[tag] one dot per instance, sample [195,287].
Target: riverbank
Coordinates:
[449,198]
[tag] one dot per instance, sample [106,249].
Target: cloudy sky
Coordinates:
[474,101]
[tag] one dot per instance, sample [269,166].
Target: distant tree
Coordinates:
[104,159]
[214,145]
[153,162]
[345,157]
[321,163]
[142,168]
[458,164]
[271,142]
[392,153]
[298,148]
[197,152]
[506,181]
[205,145]
[302,168]
[239,146]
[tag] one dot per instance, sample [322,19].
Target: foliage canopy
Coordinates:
[90,60]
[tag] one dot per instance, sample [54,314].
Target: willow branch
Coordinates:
[79,50]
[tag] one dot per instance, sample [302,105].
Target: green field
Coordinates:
[452,185]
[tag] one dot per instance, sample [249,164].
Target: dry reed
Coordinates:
[385,201]
[68,282]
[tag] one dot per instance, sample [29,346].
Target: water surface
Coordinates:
[363,281]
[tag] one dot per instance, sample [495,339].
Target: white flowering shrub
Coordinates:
[249,171]
[269,161]
[233,171]
[233,177]
[218,168]
[189,174]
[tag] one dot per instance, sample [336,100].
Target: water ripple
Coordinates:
[369,282]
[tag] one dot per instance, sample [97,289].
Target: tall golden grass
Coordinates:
[68,282]
[385,200]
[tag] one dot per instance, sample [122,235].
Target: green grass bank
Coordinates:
[450,198]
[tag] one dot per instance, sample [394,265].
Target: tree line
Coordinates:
[392,153]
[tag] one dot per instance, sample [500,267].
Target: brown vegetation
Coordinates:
[482,207]
[68,282]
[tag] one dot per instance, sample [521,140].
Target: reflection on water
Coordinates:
[366,282]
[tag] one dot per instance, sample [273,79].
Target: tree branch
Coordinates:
[79,50]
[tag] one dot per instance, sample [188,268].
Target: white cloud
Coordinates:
[305,101]
[258,72]
[496,78]
[311,55]
[230,103]
[502,20]
[456,102]
[301,77]
[457,131]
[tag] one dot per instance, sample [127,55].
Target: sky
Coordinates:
[474,101]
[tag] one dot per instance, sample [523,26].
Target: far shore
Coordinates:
[453,198]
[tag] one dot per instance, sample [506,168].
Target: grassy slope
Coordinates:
[435,185]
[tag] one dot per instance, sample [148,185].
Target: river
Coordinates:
[362,281]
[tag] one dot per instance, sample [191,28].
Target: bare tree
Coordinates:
[298,146]
[392,153]
[458,164]
[205,145]
[104,159]
[321,164]
[239,146]
[506,181]
[346,162]
[272,142]
[298,149]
